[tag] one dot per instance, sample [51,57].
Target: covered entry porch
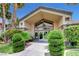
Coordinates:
[41,23]
[42,20]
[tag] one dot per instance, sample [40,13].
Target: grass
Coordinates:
[5,48]
[74,52]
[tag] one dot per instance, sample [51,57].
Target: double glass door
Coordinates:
[40,35]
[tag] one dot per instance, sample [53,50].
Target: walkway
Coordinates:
[36,49]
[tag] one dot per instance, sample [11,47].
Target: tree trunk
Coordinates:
[3,20]
[14,15]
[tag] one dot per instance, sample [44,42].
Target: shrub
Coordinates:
[72,35]
[10,33]
[17,43]
[18,46]
[56,42]
[25,36]
[16,37]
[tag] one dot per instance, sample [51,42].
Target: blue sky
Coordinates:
[28,7]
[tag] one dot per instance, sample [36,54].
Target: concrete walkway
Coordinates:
[36,49]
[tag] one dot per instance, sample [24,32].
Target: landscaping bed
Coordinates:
[17,40]
[5,48]
[72,52]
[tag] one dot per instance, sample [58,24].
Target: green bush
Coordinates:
[18,46]
[11,32]
[17,43]
[25,36]
[72,35]
[16,37]
[56,42]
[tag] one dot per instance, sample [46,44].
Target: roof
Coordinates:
[50,9]
[73,23]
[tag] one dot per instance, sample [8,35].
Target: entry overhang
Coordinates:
[47,10]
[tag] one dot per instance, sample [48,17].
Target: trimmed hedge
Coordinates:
[72,35]
[17,43]
[56,43]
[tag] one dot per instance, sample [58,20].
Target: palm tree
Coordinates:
[3,19]
[4,9]
[16,6]
[4,14]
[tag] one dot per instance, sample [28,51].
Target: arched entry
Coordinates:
[42,28]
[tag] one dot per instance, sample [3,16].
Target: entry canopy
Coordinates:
[50,14]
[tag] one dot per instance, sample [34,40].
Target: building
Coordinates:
[43,19]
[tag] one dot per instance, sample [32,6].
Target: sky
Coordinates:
[28,7]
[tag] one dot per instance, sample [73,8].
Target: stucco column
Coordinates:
[32,30]
[56,24]
[62,22]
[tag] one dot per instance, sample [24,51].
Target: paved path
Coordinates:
[36,49]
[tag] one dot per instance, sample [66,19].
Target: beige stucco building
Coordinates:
[43,19]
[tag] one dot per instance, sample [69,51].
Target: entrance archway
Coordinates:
[42,27]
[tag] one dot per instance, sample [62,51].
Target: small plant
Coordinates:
[56,42]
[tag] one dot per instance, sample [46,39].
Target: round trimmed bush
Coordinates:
[56,42]
[16,37]
[17,43]
[25,36]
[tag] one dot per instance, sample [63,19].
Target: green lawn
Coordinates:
[74,52]
[5,48]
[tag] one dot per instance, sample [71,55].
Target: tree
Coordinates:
[16,6]
[3,12]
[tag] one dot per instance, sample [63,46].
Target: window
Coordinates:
[67,19]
